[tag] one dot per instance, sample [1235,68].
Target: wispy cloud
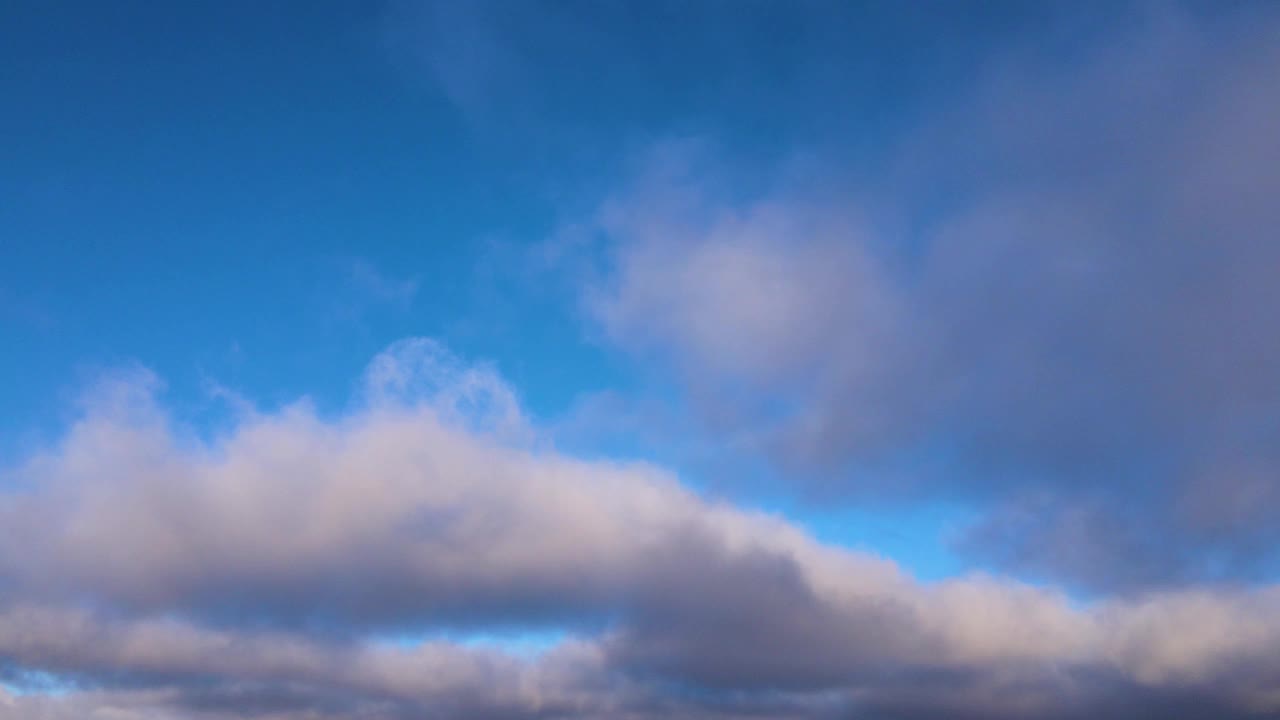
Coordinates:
[380,287]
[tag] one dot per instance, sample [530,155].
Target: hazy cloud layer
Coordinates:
[1061,290]
[147,573]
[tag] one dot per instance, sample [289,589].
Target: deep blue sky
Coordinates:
[183,179]
[231,193]
[216,191]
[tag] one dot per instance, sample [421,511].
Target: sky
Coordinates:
[698,360]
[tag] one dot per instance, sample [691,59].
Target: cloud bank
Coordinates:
[148,573]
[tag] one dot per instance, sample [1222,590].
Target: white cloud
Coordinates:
[263,566]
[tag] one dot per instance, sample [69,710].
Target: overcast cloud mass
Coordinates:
[327,321]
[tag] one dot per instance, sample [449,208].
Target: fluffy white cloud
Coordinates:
[255,573]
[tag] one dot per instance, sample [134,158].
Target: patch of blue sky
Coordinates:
[520,642]
[35,682]
[920,537]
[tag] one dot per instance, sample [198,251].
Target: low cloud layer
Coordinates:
[1060,290]
[147,572]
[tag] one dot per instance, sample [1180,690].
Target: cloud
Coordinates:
[372,282]
[1060,287]
[260,673]
[358,290]
[158,575]
[778,302]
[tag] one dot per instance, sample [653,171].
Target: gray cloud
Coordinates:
[1062,287]
[156,575]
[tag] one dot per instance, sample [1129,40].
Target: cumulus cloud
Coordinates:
[1076,314]
[257,574]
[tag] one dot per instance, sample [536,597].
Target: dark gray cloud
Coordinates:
[150,574]
[1061,289]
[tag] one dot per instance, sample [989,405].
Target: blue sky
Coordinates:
[643,335]
[265,198]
